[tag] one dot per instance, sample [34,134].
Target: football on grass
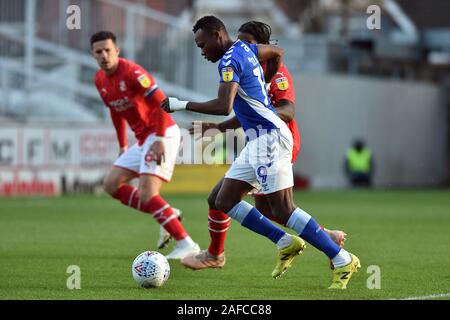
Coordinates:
[150,269]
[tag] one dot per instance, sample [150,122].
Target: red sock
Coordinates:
[129,196]
[157,207]
[218,224]
[163,213]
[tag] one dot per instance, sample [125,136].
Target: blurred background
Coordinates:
[388,87]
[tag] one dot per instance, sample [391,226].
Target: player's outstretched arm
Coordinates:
[271,55]
[222,105]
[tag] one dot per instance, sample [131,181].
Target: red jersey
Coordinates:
[282,88]
[133,97]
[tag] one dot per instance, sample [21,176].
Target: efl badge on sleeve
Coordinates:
[227,74]
[282,83]
[144,81]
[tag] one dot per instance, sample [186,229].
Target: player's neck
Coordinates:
[111,71]
[227,44]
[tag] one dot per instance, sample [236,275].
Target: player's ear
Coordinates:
[118,50]
[92,51]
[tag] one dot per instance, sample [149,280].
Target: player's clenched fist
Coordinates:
[206,129]
[156,153]
[173,104]
[123,150]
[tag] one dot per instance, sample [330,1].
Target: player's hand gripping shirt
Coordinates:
[133,96]
[252,105]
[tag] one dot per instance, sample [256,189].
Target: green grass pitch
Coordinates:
[405,233]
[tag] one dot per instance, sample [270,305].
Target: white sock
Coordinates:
[186,242]
[284,241]
[343,258]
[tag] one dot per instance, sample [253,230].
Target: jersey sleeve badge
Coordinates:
[282,83]
[144,80]
[227,74]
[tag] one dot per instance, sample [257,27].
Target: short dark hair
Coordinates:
[359,144]
[103,35]
[209,24]
[259,30]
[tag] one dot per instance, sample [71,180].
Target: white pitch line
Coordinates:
[432,296]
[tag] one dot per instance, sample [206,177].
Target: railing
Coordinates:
[35,41]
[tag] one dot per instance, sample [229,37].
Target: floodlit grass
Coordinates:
[405,233]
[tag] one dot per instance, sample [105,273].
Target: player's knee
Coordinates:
[145,197]
[223,204]
[212,200]
[147,194]
[110,185]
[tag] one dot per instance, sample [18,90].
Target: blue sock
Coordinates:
[307,228]
[252,219]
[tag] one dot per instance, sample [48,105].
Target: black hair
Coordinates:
[103,35]
[259,30]
[209,24]
[358,144]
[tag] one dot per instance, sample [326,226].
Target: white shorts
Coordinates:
[265,163]
[134,158]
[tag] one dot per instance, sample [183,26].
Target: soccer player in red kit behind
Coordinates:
[133,97]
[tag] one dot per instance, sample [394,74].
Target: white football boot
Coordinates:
[164,236]
[180,251]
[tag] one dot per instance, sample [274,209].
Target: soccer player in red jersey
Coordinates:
[281,93]
[133,97]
